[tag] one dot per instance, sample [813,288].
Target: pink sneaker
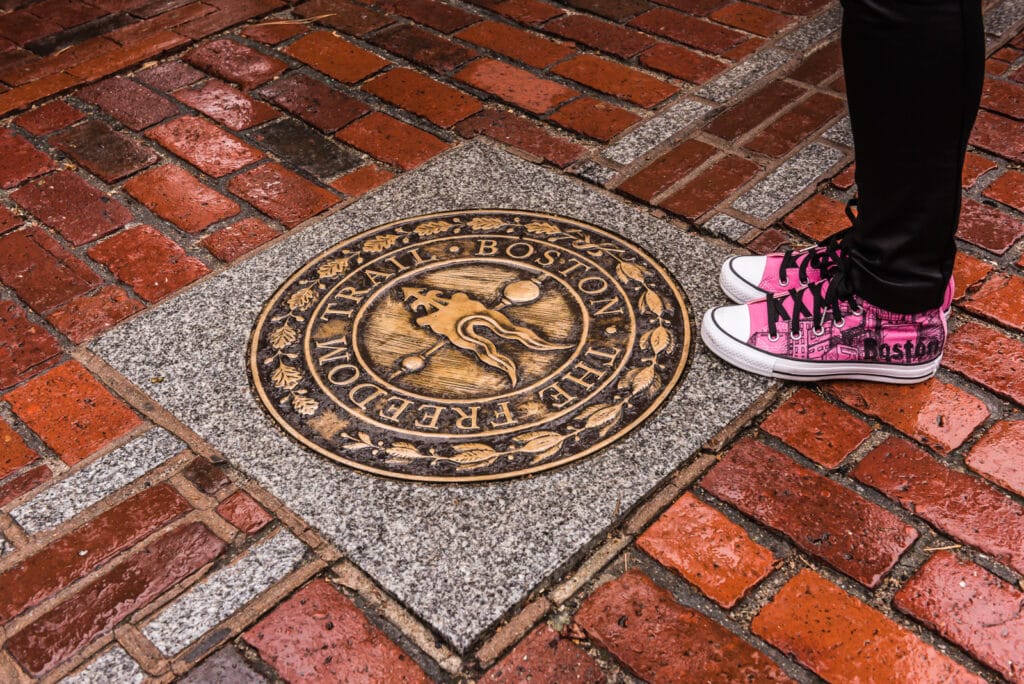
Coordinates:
[746,278]
[825,332]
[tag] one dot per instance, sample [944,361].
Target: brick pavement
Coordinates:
[149,144]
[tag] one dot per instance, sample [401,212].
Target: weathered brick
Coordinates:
[319,634]
[528,48]
[9,220]
[667,169]
[989,358]
[544,656]
[362,180]
[230,243]
[282,194]
[1008,188]
[169,76]
[22,27]
[335,56]
[770,240]
[44,274]
[1003,97]
[681,62]
[999,135]
[968,272]
[76,555]
[242,511]
[662,641]
[314,102]
[616,79]
[20,160]
[688,30]
[819,218]
[172,193]
[987,227]
[134,105]
[523,133]
[272,34]
[127,55]
[208,478]
[999,299]
[299,146]
[822,432]
[972,608]
[434,101]
[437,15]
[708,550]
[962,506]
[750,112]
[616,10]
[84,317]
[147,261]
[25,349]
[751,18]
[788,131]
[710,187]
[795,6]
[49,117]
[392,141]
[820,66]
[228,14]
[14,453]
[527,11]
[844,180]
[997,455]
[72,412]
[60,633]
[422,47]
[600,35]
[515,86]
[107,153]
[204,145]
[348,17]
[235,62]
[24,483]
[227,105]
[842,639]
[594,118]
[822,517]
[30,93]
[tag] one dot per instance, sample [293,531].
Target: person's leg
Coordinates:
[914,72]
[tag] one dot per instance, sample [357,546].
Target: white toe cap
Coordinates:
[732,320]
[741,276]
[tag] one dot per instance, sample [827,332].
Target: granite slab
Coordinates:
[460,556]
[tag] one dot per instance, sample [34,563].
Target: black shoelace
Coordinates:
[823,257]
[837,293]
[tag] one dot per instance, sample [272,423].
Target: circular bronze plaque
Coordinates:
[470,345]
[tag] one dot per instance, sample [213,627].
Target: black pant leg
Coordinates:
[914,72]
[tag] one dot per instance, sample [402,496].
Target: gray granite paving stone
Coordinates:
[1003,17]
[226,666]
[223,593]
[594,172]
[458,555]
[113,667]
[5,546]
[840,133]
[651,133]
[727,85]
[812,32]
[727,226]
[787,181]
[92,483]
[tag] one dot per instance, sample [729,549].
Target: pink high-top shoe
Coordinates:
[746,278]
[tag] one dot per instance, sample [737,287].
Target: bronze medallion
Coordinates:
[470,345]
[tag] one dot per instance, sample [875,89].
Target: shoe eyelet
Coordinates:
[795,337]
[841,323]
[784,282]
[803,283]
[858,311]
[773,338]
[818,332]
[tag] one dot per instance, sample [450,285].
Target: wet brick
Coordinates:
[822,517]
[616,10]
[1008,189]
[594,118]
[999,299]
[987,227]
[962,506]
[968,272]
[282,194]
[299,146]
[437,15]
[228,14]
[424,48]
[752,111]
[544,656]
[21,97]
[989,358]
[49,117]
[515,86]
[348,17]
[20,161]
[25,348]
[204,145]
[998,135]
[314,102]
[681,62]
[14,453]
[664,171]
[169,76]
[997,455]
[819,218]
[22,484]
[273,34]
[711,187]
[528,48]
[688,30]
[820,66]
[173,194]
[8,219]
[107,153]
[230,243]
[242,511]
[822,432]
[335,56]
[134,105]
[436,102]
[227,105]
[527,11]
[392,141]
[600,35]
[86,316]
[784,134]
[748,17]
[235,62]
[975,166]
[362,180]
[523,133]
[44,274]
[1003,97]
[623,82]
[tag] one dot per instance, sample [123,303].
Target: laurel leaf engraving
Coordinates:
[651,303]
[481,453]
[605,416]
[364,438]
[546,454]
[432,228]
[304,406]
[283,336]
[301,300]
[627,272]
[542,228]
[404,450]
[482,223]
[661,339]
[285,377]
[542,443]
[332,268]
[643,380]
[470,446]
[355,446]
[380,243]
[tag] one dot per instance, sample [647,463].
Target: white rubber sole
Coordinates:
[751,359]
[736,288]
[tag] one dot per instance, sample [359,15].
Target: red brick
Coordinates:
[436,102]
[348,17]
[600,35]
[934,413]
[20,160]
[616,10]
[235,62]
[109,154]
[14,453]
[594,118]
[150,263]
[335,56]
[819,218]
[1000,299]
[752,18]
[770,240]
[134,105]
[44,274]
[681,62]
[528,48]
[523,133]
[998,135]
[822,432]
[230,243]
[314,102]
[667,169]
[173,194]
[204,145]
[208,478]
[784,134]
[997,455]
[72,412]
[544,656]
[972,608]
[1006,54]
[30,93]
[436,15]
[516,86]
[22,484]
[527,11]
[821,66]
[271,33]
[995,67]
[823,518]
[65,13]
[9,220]
[749,113]
[86,316]
[22,27]
[319,634]
[362,180]
[844,180]
[392,141]
[844,640]
[49,117]
[968,272]
[1003,97]
[227,105]
[166,19]
[127,55]
[975,166]
[989,358]
[228,14]
[242,511]
[962,506]
[662,641]
[282,194]
[76,555]
[25,349]
[422,47]
[685,29]
[60,633]
[616,79]
[988,228]
[1008,189]
[710,187]
[25,72]
[744,49]
[710,551]
[169,76]
[795,6]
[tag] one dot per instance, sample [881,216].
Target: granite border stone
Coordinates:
[113,666]
[791,178]
[667,123]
